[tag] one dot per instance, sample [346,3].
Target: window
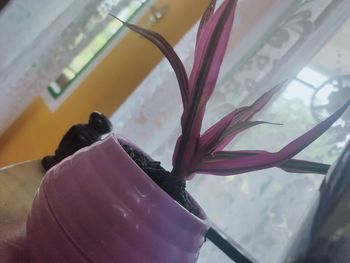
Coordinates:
[83,59]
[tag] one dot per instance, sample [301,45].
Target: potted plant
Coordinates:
[110,202]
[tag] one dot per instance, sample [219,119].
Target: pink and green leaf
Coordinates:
[211,47]
[266,159]
[209,140]
[302,166]
[204,19]
[169,53]
[209,54]
[290,165]
[232,130]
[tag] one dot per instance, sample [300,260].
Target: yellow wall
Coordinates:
[38,131]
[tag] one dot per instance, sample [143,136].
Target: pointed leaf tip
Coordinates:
[291,165]
[307,138]
[209,140]
[168,52]
[205,17]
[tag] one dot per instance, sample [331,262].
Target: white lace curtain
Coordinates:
[38,39]
[260,210]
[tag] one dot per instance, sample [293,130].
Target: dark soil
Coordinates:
[172,185]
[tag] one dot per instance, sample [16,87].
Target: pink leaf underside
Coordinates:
[169,53]
[205,17]
[266,159]
[209,141]
[208,58]
[211,44]
[290,165]
[232,130]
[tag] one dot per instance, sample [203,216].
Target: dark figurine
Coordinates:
[79,136]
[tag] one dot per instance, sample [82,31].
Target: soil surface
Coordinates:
[171,184]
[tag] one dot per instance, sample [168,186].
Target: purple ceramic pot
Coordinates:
[99,206]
